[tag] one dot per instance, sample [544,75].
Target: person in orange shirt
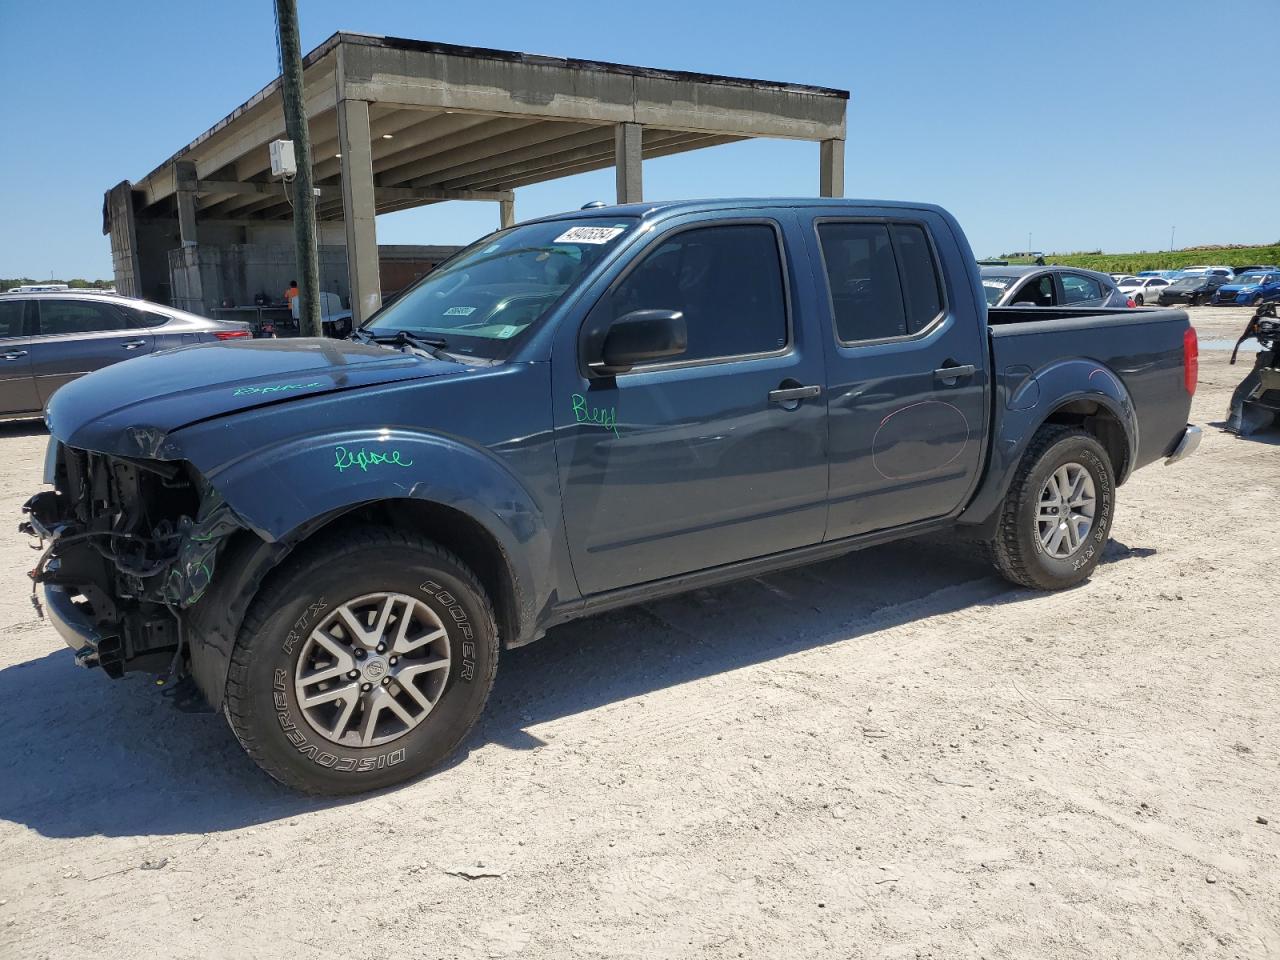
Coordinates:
[291,292]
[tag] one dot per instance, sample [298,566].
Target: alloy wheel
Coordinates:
[373,669]
[1065,510]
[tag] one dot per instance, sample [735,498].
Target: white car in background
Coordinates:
[1203,270]
[1142,290]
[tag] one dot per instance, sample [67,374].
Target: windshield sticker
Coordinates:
[998,284]
[274,388]
[606,417]
[588,235]
[460,311]
[364,459]
[505,332]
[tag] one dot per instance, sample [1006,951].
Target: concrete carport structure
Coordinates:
[399,123]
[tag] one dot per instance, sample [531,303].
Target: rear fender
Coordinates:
[1031,400]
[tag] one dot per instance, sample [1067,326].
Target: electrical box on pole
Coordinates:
[283,163]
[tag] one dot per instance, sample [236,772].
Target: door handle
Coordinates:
[953,372]
[133,344]
[14,354]
[790,394]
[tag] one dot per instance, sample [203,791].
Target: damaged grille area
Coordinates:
[131,543]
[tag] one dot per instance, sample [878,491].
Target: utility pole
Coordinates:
[1028,243]
[1172,230]
[304,198]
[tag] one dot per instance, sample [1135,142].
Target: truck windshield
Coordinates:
[497,288]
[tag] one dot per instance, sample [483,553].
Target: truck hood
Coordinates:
[130,408]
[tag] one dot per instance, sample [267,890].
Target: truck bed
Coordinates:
[1141,347]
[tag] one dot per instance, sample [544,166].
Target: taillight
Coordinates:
[231,334]
[1130,302]
[1190,359]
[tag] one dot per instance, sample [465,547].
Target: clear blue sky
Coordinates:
[1090,124]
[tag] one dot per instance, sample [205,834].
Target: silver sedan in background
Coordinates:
[1050,287]
[48,339]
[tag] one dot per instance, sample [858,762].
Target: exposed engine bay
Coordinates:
[128,546]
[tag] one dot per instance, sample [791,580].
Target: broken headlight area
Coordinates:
[128,545]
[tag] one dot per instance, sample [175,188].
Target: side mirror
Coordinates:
[1025,303]
[639,337]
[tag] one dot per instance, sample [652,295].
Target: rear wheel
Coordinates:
[1138,300]
[364,662]
[1057,513]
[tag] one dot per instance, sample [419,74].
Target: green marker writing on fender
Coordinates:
[364,459]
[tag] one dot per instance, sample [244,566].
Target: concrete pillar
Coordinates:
[831,169]
[121,225]
[184,172]
[626,161]
[507,213]
[358,208]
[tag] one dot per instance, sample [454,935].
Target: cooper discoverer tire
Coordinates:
[363,662]
[1057,513]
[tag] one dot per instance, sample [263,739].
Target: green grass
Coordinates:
[1175,260]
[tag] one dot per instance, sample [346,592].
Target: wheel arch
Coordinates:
[1084,395]
[250,562]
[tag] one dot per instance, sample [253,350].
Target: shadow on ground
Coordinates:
[1269,435]
[96,757]
[23,428]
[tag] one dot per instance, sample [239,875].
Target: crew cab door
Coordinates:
[75,337]
[906,370]
[697,461]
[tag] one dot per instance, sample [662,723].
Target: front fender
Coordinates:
[282,491]
[1026,400]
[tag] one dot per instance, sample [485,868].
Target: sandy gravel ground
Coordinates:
[893,755]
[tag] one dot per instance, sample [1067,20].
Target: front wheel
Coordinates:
[1057,513]
[364,662]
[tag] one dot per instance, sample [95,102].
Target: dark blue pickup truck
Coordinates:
[332,541]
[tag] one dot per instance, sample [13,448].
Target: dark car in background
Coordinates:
[1248,289]
[49,339]
[1192,290]
[1050,287]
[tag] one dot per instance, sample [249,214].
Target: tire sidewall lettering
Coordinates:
[467,669]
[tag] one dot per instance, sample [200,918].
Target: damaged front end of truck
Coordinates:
[128,548]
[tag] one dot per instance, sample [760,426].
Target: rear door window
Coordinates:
[79,316]
[862,278]
[147,318]
[1077,288]
[921,287]
[11,312]
[882,278]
